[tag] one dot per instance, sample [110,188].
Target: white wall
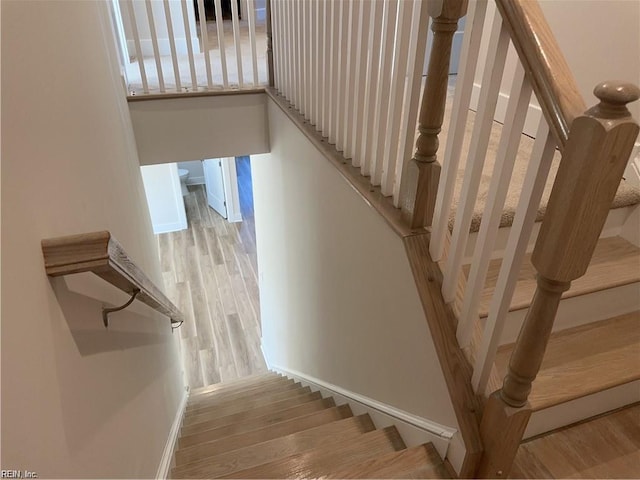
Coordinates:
[160,23]
[164,197]
[196,172]
[181,129]
[77,400]
[600,40]
[337,296]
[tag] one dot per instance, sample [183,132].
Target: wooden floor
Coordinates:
[605,447]
[210,272]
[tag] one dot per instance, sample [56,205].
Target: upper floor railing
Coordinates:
[180,46]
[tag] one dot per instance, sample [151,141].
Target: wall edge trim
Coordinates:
[172,440]
[421,423]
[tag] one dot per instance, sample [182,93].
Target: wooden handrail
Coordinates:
[100,253]
[545,65]
[592,166]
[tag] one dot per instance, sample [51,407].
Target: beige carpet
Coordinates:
[627,195]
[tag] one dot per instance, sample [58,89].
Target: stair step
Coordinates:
[584,360]
[265,452]
[255,423]
[240,398]
[249,414]
[269,383]
[615,263]
[248,404]
[197,452]
[237,383]
[607,446]
[418,462]
[323,460]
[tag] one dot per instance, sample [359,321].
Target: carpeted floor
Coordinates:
[627,195]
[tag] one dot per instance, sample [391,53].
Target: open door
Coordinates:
[214,183]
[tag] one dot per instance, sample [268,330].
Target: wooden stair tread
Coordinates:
[607,446]
[584,360]
[256,423]
[236,383]
[275,406]
[239,399]
[265,452]
[249,404]
[196,452]
[615,263]
[321,461]
[243,390]
[418,462]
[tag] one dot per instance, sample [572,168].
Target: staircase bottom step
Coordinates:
[604,447]
[417,462]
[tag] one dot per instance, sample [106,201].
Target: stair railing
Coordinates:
[165,50]
[101,254]
[353,69]
[595,156]
[594,147]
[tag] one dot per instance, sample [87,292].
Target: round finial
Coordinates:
[617,92]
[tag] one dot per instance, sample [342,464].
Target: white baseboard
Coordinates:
[414,430]
[169,227]
[195,180]
[172,440]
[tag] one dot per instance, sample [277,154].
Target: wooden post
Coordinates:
[270,68]
[420,180]
[594,159]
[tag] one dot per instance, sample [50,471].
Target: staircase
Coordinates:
[267,426]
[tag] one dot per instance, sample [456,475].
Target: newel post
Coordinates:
[596,154]
[420,179]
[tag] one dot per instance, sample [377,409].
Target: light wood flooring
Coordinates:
[605,447]
[210,271]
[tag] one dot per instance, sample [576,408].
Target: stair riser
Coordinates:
[269,451]
[204,398]
[247,396]
[582,408]
[235,429]
[197,452]
[613,227]
[231,409]
[581,310]
[243,416]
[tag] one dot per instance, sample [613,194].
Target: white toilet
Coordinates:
[184,174]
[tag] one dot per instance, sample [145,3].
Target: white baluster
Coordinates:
[411,101]
[188,36]
[475,160]
[154,44]
[457,125]
[236,40]
[396,89]
[360,81]
[251,20]
[500,179]
[523,222]
[350,62]
[136,41]
[204,38]
[172,45]
[221,43]
[371,87]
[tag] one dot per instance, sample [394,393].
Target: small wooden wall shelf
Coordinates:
[100,253]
